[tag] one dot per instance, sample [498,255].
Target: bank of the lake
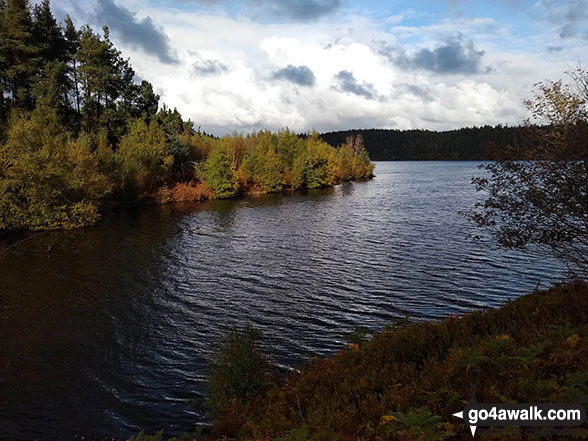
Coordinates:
[406,382]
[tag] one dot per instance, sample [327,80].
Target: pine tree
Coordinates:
[19,53]
[148,100]
[171,121]
[107,81]
[95,69]
[72,45]
[52,90]
[47,34]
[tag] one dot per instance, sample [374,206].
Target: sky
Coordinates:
[245,65]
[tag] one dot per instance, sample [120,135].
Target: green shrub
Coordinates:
[218,173]
[48,181]
[238,371]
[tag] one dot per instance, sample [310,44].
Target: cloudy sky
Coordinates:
[242,65]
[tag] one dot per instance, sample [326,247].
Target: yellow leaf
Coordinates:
[573,340]
[387,419]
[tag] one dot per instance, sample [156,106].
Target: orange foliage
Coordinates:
[181,192]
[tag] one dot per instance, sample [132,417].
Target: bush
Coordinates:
[218,174]
[181,192]
[238,371]
[48,181]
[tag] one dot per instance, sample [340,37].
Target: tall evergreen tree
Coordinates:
[47,34]
[106,79]
[171,121]
[72,45]
[75,125]
[148,100]
[20,53]
[96,67]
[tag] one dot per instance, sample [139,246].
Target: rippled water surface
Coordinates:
[107,330]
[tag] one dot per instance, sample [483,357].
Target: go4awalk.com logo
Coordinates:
[523,415]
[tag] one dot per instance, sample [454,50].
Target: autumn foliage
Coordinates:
[266,162]
[180,192]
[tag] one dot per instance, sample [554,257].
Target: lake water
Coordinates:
[107,330]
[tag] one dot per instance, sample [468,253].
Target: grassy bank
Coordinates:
[405,383]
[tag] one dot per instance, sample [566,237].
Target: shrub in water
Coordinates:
[238,371]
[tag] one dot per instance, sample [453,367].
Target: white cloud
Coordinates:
[244,95]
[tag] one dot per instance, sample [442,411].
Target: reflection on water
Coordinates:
[107,330]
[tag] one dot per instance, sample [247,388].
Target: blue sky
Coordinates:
[242,65]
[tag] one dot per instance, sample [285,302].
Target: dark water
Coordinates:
[106,330]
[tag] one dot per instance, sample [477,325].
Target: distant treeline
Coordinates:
[467,144]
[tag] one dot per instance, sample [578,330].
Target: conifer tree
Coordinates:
[47,34]
[19,53]
[72,45]
[52,90]
[80,126]
[148,100]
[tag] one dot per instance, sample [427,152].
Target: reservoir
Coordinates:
[107,330]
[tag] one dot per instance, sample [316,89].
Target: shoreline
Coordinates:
[160,196]
[408,380]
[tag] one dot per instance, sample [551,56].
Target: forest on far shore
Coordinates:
[466,144]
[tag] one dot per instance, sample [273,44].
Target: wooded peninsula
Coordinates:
[78,132]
